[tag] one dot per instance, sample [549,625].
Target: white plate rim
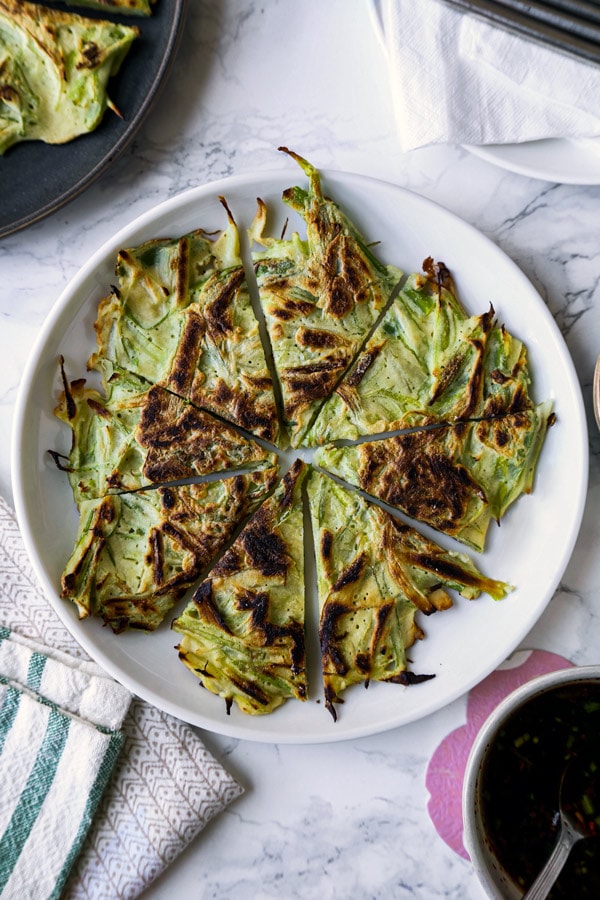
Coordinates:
[545,159]
[269,730]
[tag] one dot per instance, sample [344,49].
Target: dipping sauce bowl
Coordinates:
[512,781]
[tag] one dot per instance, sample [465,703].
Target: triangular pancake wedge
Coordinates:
[373,574]
[141,435]
[320,296]
[427,363]
[242,634]
[55,67]
[136,554]
[181,317]
[455,478]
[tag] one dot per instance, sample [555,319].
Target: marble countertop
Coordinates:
[347,819]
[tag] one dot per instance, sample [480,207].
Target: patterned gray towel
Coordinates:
[142,810]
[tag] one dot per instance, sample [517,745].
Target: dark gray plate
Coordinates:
[36,178]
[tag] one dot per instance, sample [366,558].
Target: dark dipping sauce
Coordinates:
[520,779]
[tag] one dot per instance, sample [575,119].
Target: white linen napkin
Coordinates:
[456,79]
[63,722]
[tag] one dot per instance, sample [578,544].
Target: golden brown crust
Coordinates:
[405,472]
[243,631]
[182,441]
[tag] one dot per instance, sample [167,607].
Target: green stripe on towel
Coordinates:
[110,757]
[37,664]
[34,793]
[8,712]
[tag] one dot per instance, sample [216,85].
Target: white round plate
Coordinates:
[531,549]
[555,159]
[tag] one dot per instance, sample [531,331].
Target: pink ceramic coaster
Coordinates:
[446,768]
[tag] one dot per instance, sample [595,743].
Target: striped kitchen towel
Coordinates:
[60,735]
[165,785]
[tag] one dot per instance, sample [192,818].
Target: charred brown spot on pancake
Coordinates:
[382,613]
[501,438]
[313,368]
[290,308]
[70,404]
[439,276]
[428,266]
[328,232]
[340,300]
[180,439]
[363,663]
[161,469]
[371,459]
[182,537]
[355,269]
[349,395]
[352,573]
[312,382]
[268,634]
[125,261]
[8,93]
[331,698]
[326,545]
[223,393]
[266,551]
[98,409]
[346,276]
[203,600]
[501,432]
[258,381]
[229,564]
[289,484]
[446,569]
[155,555]
[153,417]
[365,361]
[188,348]
[255,414]
[452,370]
[256,601]
[105,514]
[296,632]
[317,339]
[519,400]
[264,426]
[332,659]
[90,56]
[218,312]
[407,678]
[447,376]
[168,498]
[500,405]
[414,476]
[495,406]
[251,689]
[68,583]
